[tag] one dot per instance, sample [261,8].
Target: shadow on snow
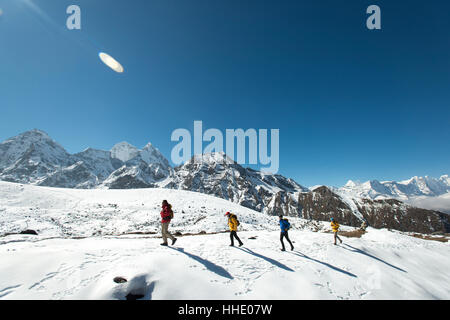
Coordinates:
[208,264]
[353,249]
[272,261]
[297,253]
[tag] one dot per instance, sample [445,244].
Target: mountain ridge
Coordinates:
[403,190]
[34,158]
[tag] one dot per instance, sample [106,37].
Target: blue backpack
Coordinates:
[285,224]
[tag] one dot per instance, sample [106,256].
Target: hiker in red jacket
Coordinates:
[166,216]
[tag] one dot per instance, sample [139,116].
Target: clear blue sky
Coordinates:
[350,103]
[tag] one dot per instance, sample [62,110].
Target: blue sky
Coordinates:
[350,103]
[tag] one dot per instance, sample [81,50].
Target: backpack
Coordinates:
[235,217]
[288,225]
[171,211]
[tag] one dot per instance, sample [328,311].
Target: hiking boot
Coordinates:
[292,249]
[241,244]
[164,244]
[283,249]
[231,245]
[174,240]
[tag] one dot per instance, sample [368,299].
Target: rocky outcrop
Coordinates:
[218,175]
[394,214]
[322,204]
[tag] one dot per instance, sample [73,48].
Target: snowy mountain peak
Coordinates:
[36,132]
[29,137]
[149,146]
[351,183]
[151,154]
[124,151]
[414,179]
[213,158]
[445,180]
[34,146]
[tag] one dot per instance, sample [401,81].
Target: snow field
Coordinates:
[84,242]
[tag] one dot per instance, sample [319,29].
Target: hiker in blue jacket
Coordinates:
[285,225]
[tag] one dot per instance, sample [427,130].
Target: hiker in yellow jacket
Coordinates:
[233,224]
[335,228]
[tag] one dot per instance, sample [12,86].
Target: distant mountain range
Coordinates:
[414,187]
[424,192]
[34,158]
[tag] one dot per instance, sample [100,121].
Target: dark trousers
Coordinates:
[233,235]
[285,235]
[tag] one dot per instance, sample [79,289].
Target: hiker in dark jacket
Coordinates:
[285,225]
[233,224]
[166,216]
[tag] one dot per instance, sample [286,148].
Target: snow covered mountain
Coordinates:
[124,151]
[127,167]
[31,157]
[416,186]
[322,204]
[216,174]
[141,168]
[34,158]
[424,192]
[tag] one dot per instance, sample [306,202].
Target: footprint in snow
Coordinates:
[5,291]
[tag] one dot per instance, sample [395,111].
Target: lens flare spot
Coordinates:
[111,62]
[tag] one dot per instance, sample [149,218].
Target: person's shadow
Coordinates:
[208,264]
[272,261]
[353,249]
[297,253]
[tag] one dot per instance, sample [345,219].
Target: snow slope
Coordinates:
[61,212]
[58,265]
